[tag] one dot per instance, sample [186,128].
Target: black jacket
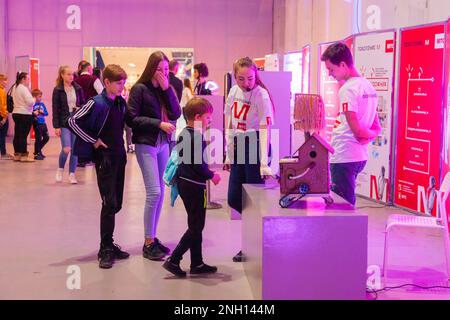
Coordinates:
[144,108]
[88,122]
[60,106]
[193,165]
[177,84]
[200,89]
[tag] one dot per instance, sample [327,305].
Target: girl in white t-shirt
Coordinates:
[250,114]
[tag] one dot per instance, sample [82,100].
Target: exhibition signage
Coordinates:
[272,62]
[306,70]
[375,60]
[420,118]
[293,63]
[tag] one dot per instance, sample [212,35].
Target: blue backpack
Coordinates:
[170,175]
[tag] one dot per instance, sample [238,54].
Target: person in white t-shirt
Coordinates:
[356,125]
[250,114]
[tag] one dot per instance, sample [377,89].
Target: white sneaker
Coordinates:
[72,178]
[59,175]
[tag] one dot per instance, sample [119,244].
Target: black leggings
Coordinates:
[22,127]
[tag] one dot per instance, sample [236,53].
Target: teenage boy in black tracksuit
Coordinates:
[192,174]
[99,124]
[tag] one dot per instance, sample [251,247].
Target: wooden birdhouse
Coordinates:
[307,174]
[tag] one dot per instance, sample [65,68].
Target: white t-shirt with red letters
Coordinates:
[357,95]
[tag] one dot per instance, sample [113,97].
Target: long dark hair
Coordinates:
[152,64]
[20,76]
[247,62]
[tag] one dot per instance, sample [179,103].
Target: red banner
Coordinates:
[420,120]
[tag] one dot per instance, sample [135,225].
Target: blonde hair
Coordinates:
[248,63]
[60,80]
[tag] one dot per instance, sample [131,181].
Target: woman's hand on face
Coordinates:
[162,80]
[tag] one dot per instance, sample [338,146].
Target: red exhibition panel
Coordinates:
[419,123]
[329,90]
[446,138]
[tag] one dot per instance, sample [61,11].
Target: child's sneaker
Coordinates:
[72,178]
[174,268]
[239,257]
[59,175]
[38,157]
[203,268]
[119,254]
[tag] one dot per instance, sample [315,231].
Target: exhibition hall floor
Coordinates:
[47,227]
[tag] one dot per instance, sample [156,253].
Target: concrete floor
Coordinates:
[45,228]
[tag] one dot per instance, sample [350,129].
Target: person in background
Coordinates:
[39,125]
[176,83]
[186,96]
[98,73]
[200,74]
[152,111]
[128,131]
[66,100]
[23,116]
[4,122]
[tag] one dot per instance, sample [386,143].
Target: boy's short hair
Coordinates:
[36,92]
[173,64]
[337,53]
[114,72]
[196,106]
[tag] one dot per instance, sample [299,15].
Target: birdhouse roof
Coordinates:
[323,142]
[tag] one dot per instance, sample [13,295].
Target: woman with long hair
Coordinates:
[152,111]
[67,99]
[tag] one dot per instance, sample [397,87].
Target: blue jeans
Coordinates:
[3,133]
[152,161]
[67,140]
[343,179]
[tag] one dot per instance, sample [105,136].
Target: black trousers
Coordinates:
[194,199]
[40,135]
[110,171]
[22,127]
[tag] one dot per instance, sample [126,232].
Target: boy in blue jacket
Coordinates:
[99,126]
[39,125]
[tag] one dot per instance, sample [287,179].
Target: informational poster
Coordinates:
[306,70]
[375,61]
[34,73]
[420,118]
[293,62]
[260,63]
[272,62]
[446,133]
[329,90]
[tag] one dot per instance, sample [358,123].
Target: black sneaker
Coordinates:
[174,268]
[42,155]
[106,258]
[38,157]
[153,252]
[203,268]
[239,257]
[119,254]
[161,246]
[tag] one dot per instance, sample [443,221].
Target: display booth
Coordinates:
[422,134]
[374,57]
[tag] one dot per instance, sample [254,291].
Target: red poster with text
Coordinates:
[418,146]
[329,90]
[446,137]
